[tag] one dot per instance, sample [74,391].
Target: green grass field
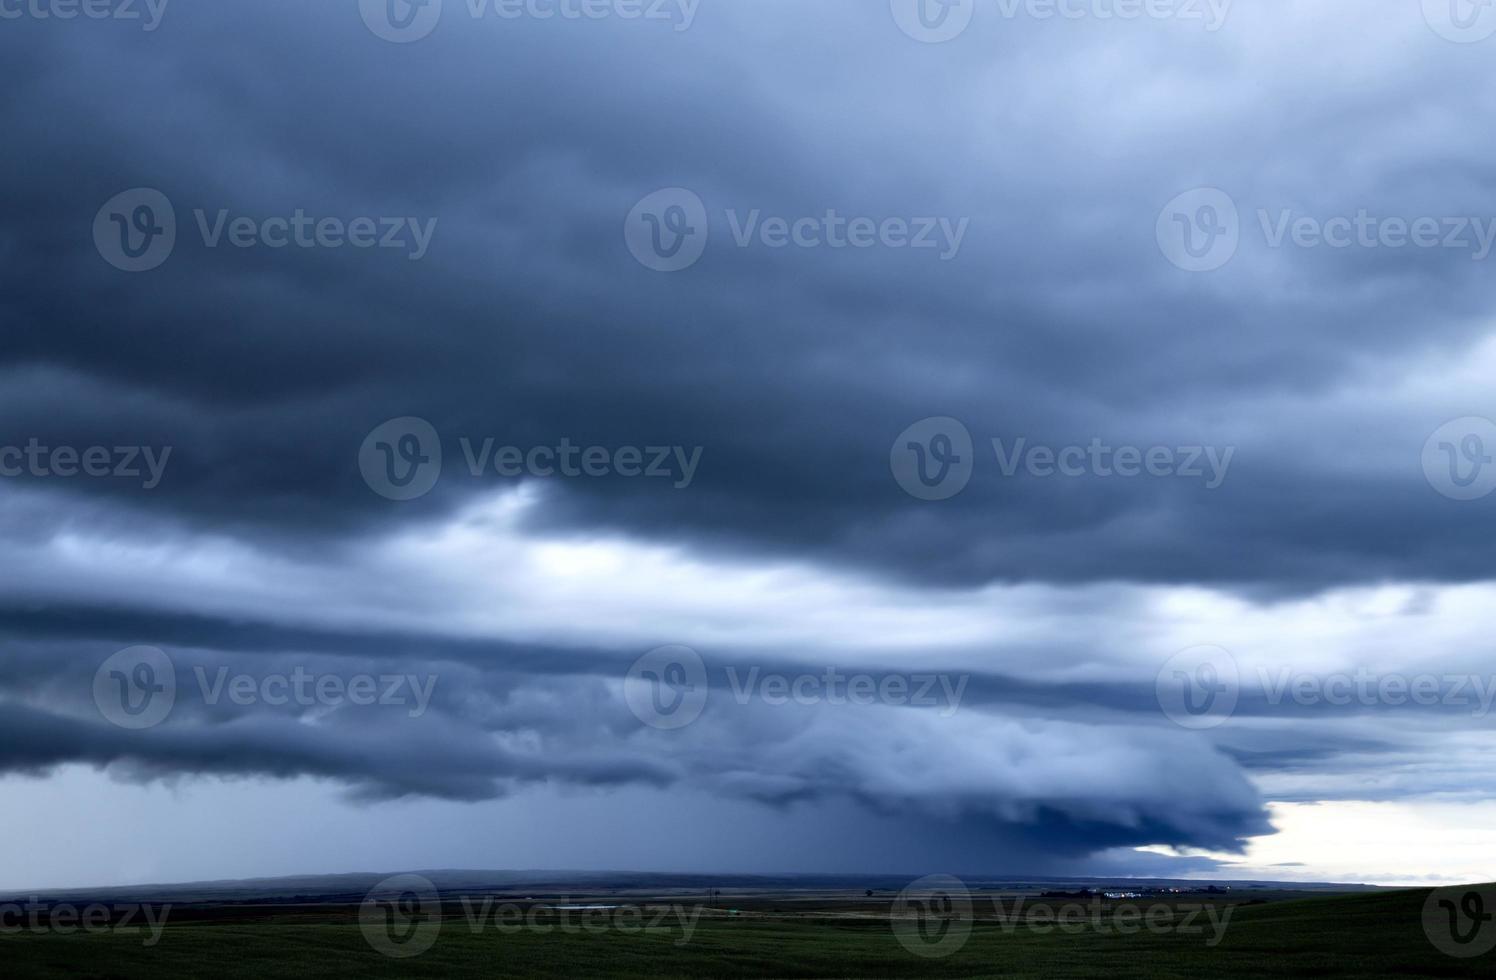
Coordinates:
[1373,935]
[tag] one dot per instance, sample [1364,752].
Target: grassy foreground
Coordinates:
[1375,935]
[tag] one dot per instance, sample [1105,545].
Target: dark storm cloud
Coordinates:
[1058,322]
[528,321]
[487,732]
[383,762]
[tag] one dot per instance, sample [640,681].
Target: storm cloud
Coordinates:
[502,158]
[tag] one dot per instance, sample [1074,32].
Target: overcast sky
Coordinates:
[1082,409]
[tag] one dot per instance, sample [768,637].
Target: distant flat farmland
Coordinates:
[1378,934]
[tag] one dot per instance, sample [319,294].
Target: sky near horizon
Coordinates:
[916,437]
